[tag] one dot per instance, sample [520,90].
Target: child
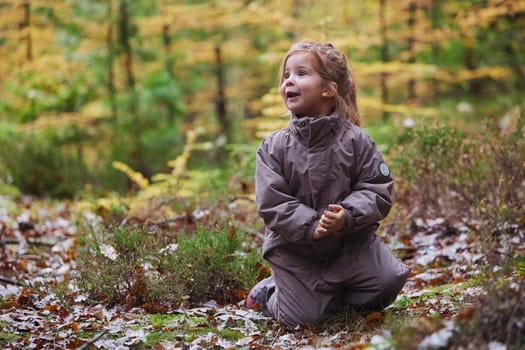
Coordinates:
[321,188]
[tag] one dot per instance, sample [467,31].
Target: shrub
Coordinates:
[211,265]
[456,175]
[42,164]
[136,266]
[112,264]
[499,315]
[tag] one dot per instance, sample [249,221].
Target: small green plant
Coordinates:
[111,264]
[136,266]
[212,265]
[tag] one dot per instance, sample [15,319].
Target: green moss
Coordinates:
[162,320]
[230,334]
[520,266]
[7,337]
[86,335]
[157,337]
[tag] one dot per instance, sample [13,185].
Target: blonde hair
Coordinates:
[332,67]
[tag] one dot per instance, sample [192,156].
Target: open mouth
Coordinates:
[292,94]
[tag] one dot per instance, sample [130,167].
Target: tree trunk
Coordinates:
[411,40]
[124,42]
[166,40]
[471,64]
[220,102]
[512,47]
[168,62]
[434,12]
[25,29]
[384,56]
[111,74]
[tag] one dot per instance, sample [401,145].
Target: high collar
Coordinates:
[316,131]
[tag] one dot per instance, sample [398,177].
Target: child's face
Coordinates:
[303,90]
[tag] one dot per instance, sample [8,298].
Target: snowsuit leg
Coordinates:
[301,295]
[369,273]
[365,276]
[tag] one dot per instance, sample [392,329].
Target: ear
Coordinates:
[330,90]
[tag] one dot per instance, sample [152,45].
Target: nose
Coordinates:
[288,81]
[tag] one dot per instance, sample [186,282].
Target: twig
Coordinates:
[94,340]
[10,281]
[34,242]
[174,219]
[243,198]
[511,318]
[277,336]
[126,221]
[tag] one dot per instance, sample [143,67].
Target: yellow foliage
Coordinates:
[482,17]
[407,110]
[222,16]
[178,165]
[91,114]
[133,175]
[416,70]
[274,116]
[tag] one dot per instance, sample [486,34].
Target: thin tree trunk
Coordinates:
[220,103]
[110,58]
[166,40]
[25,28]
[169,62]
[384,55]
[470,64]
[125,42]
[515,64]
[511,47]
[411,40]
[434,11]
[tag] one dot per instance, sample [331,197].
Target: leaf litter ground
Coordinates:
[41,308]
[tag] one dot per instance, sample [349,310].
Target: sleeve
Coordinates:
[370,200]
[279,209]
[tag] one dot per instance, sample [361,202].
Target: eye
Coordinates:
[302,72]
[286,75]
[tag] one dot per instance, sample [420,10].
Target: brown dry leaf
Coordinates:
[466,315]
[374,317]
[357,346]
[155,308]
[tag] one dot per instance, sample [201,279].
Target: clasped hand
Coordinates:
[331,222]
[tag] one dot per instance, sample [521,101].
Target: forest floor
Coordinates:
[42,309]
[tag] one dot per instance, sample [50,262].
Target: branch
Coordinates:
[94,340]
[10,281]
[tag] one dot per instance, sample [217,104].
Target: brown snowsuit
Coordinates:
[299,171]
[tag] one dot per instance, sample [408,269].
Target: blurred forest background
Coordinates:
[128,131]
[95,93]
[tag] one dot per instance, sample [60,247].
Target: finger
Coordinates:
[335,208]
[319,233]
[330,215]
[326,221]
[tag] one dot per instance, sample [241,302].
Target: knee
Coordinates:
[395,280]
[390,286]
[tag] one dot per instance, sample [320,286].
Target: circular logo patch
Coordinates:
[383,169]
